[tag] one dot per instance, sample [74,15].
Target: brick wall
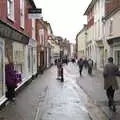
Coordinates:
[16,23]
[111,6]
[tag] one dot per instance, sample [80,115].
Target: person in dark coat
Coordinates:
[110,73]
[85,63]
[80,64]
[11,81]
[90,66]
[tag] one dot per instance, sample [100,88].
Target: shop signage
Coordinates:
[35,13]
[8,32]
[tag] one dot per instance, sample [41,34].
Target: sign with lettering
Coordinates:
[35,13]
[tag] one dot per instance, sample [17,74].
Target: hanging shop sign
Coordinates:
[35,13]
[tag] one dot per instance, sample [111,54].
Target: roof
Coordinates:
[48,24]
[82,30]
[91,5]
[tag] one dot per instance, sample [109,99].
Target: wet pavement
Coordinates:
[78,98]
[93,86]
[48,99]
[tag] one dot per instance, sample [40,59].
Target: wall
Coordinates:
[81,43]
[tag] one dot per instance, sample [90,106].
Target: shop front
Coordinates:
[12,43]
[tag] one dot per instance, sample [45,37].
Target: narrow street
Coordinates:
[48,99]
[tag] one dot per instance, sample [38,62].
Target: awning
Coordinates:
[9,32]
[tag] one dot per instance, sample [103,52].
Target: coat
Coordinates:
[10,76]
[110,73]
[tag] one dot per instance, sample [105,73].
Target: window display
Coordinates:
[18,57]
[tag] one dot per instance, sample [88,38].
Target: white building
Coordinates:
[81,43]
[95,32]
[112,32]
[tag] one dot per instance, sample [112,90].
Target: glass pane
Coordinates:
[1,72]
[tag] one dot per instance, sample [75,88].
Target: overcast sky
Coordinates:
[65,16]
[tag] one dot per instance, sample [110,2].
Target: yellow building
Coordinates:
[81,43]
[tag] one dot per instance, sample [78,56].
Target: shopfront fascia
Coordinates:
[10,39]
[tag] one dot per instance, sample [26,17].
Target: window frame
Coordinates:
[22,14]
[10,10]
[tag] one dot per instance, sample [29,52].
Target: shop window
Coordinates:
[1,73]
[18,57]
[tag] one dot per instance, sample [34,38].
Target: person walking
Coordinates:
[59,63]
[90,66]
[80,64]
[110,81]
[85,63]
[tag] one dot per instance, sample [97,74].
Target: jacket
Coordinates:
[110,73]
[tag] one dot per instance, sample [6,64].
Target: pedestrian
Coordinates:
[110,81]
[11,81]
[85,63]
[59,63]
[90,66]
[61,73]
[80,64]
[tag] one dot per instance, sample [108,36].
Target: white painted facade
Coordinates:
[98,30]
[81,38]
[112,31]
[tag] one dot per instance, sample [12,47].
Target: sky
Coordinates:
[65,16]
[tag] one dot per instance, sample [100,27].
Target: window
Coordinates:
[22,15]
[29,59]
[117,58]
[10,8]
[98,28]
[18,56]
[41,36]
[111,26]
[33,29]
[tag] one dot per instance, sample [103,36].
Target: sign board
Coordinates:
[35,13]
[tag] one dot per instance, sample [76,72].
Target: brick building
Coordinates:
[17,40]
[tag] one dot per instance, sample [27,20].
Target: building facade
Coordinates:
[112,30]
[15,34]
[95,32]
[41,36]
[81,43]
